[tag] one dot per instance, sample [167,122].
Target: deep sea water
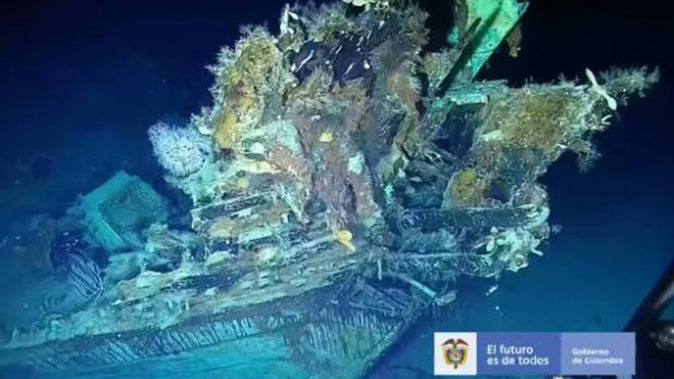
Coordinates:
[76,106]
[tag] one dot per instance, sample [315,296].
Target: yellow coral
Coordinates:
[537,121]
[326,136]
[345,237]
[264,166]
[225,130]
[246,81]
[242,183]
[466,188]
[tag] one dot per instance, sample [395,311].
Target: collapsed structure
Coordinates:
[342,179]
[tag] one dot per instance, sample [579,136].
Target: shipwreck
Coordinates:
[343,177]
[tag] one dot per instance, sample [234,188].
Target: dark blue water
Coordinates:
[80,82]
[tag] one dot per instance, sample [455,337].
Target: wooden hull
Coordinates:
[336,332]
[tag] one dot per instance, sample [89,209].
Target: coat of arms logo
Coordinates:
[455,352]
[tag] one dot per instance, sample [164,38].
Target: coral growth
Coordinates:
[538,122]
[181,151]
[84,275]
[467,188]
[246,77]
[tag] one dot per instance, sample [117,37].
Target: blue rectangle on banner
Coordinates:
[598,354]
[534,354]
[518,354]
